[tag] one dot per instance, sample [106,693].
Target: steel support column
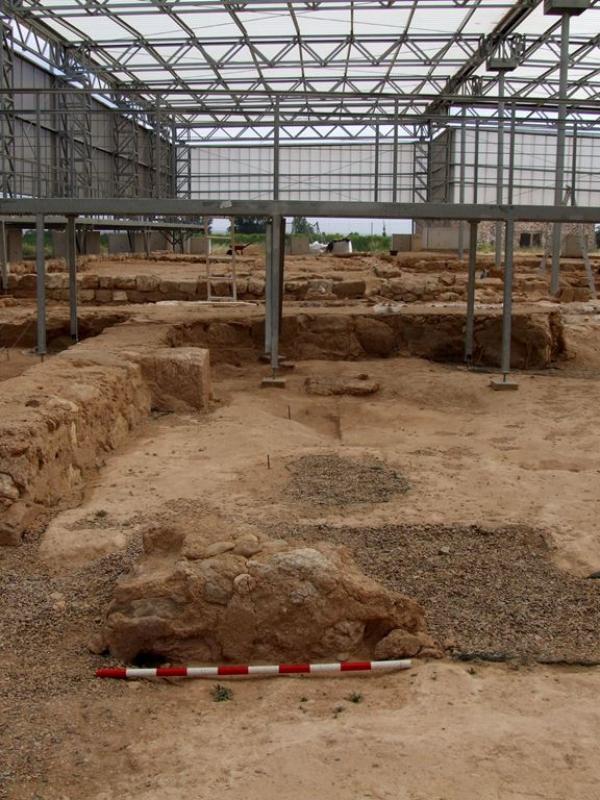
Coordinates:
[276,153]
[38,149]
[173,176]
[40,285]
[560,148]
[268,279]
[395,158]
[470,328]
[157,166]
[476,164]
[7,107]
[3,258]
[376,167]
[461,188]
[277,225]
[500,168]
[574,166]
[507,299]
[71,253]
[509,243]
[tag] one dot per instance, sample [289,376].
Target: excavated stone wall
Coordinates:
[60,419]
[58,422]
[537,338]
[152,288]
[399,283]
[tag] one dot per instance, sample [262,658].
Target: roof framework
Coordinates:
[319,68]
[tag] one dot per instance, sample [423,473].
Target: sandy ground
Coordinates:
[443,730]
[14,361]
[471,455]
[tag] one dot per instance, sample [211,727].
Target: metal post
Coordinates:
[71,253]
[174,163]
[508,267]
[574,165]
[281,270]
[275,268]
[395,157]
[500,168]
[376,166]
[560,148]
[268,293]
[476,164]
[461,189]
[507,300]
[471,293]
[157,149]
[40,284]
[3,258]
[276,153]
[233,260]
[3,99]
[38,146]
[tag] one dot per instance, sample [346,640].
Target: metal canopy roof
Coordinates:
[232,68]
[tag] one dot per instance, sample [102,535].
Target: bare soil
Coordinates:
[495,535]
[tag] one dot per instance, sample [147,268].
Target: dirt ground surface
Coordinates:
[494,530]
[14,361]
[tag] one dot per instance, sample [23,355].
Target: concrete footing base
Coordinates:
[501,385]
[278,383]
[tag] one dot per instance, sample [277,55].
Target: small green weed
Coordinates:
[355,697]
[221,693]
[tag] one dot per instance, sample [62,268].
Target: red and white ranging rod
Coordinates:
[247,669]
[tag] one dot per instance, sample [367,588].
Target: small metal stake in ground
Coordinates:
[247,669]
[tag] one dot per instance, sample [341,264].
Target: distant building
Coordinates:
[444,234]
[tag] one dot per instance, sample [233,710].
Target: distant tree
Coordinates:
[250,225]
[302,225]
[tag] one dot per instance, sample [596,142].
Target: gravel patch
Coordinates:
[331,480]
[493,592]
[45,622]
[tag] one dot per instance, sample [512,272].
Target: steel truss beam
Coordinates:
[236,79]
[7,107]
[291,208]
[126,159]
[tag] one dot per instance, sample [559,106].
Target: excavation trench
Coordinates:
[537,337]
[61,419]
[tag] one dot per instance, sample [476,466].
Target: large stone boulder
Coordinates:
[253,599]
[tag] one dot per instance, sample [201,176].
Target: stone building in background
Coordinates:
[531,235]
[445,235]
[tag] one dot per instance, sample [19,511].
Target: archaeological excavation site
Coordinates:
[299,400]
